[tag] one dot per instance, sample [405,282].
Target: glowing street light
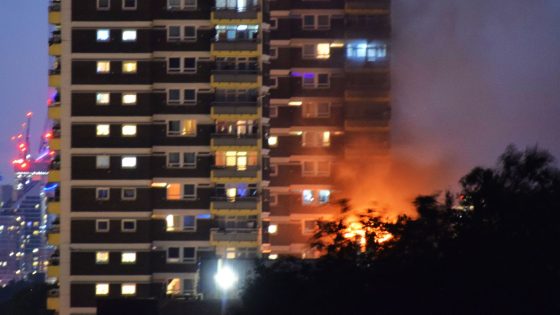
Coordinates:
[225,278]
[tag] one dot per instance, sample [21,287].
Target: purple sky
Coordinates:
[469,77]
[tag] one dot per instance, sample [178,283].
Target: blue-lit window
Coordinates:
[189,223]
[308,197]
[363,51]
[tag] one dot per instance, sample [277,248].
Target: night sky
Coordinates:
[469,77]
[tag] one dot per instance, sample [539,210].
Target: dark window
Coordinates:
[189,253]
[190,64]
[173,160]
[174,65]
[190,32]
[189,191]
[102,225]
[129,4]
[129,193]
[190,95]
[173,96]
[189,159]
[103,4]
[308,21]
[323,80]
[173,253]
[102,194]
[174,32]
[174,126]
[128,225]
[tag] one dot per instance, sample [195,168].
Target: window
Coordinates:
[129,4]
[103,66]
[173,286]
[189,191]
[128,225]
[103,5]
[101,225]
[273,23]
[323,51]
[273,82]
[128,289]
[316,110]
[103,35]
[311,197]
[316,80]
[128,258]
[237,159]
[316,168]
[273,229]
[181,4]
[181,33]
[129,66]
[128,162]
[129,35]
[189,223]
[186,127]
[178,159]
[273,200]
[316,139]
[102,161]
[324,196]
[309,226]
[102,98]
[102,257]
[308,197]
[320,22]
[273,170]
[183,65]
[179,223]
[273,52]
[173,191]
[129,98]
[181,97]
[178,254]
[364,51]
[273,141]
[102,289]
[102,194]
[128,130]
[128,194]
[273,111]
[102,130]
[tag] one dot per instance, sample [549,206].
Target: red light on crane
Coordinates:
[29,114]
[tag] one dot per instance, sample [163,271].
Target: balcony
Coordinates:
[53,271]
[54,144]
[365,125]
[238,206]
[53,112]
[367,7]
[235,142]
[54,13]
[236,48]
[248,15]
[248,238]
[53,237]
[54,78]
[234,175]
[235,111]
[365,94]
[55,41]
[236,79]
[53,303]
[53,207]
[54,176]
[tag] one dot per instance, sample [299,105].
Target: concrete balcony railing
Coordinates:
[356,5]
[53,112]
[53,303]
[231,174]
[235,76]
[53,207]
[223,205]
[236,45]
[249,142]
[238,110]
[238,238]
[243,14]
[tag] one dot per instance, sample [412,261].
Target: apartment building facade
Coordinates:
[187,130]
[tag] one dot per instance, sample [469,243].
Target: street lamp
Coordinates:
[225,278]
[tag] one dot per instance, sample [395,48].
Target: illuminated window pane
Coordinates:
[273,228]
[128,258]
[102,130]
[128,289]
[103,66]
[188,127]
[308,197]
[129,130]
[103,35]
[128,194]
[102,257]
[324,196]
[323,51]
[129,35]
[102,289]
[174,191]
[128,162]
[273,141]
[173,286]
[102,161]
[129,66]
[326,141]
[129,98]
[171,223]
[102,98]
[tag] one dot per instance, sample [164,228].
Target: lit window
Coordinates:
[316,139]
[102,225]
[102,98]
[272,229]
[128,258]
[102,130]
[102,161]
[128,289]
[128,194]
[129,66]
[129,98]
[173,286]
[128,225]
[323,51]
[185,127]
[128,162]
[324,196]
[171,223]
[316,110]
[326,141]
[102,289]
[174,191]
[102,194]
[129,35]
[103,35]
[103,66]
[128,130]
[308,197]
[273,141]
[189,223]
[102,257]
